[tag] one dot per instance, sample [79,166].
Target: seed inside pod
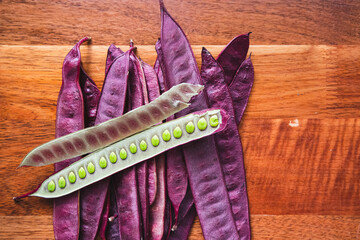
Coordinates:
[62,182]
[51,186]
[133,148]
[123,154]
[91,168]
[143,145]
[82,173]
[177,132]
[72,177]
[155,140]
[202,124]
[190,128]
[112,157]
[166,135]
[102,162]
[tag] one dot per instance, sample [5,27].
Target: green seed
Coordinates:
[190,128]
[133,148]
[112,157]
[72,177]
[62,182]
[202,124]
[177,132]
[91,168]
[82,173]
[51,186]
[166,135]
[123,154]
[214,121]
[102,162]
[143,145]
[155,140]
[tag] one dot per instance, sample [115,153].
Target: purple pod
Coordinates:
[111,105]
[183,230]
[241,87]
[69,118]
[127,203]
[138,96]
[205,175]
[233,55]
[185,207]
[104,217]
[112,230]
[153,89]
[157,210]
[176,175]
[167,219]
[126,182]
[112,54]
[228,143]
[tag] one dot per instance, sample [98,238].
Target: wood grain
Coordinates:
[305,179]
[297,227]
[204,22]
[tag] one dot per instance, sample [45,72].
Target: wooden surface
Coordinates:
[301,130]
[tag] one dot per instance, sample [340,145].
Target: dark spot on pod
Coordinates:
[154,111]
[165,105]
[92,140]
[133,124]
[103,137]
[176,97]
[37,158]
[79,144]
[122,127]
[112,132]
[69,147]
[144,117]
[58,151]
[47,154]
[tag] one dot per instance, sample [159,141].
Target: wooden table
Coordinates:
[303,179]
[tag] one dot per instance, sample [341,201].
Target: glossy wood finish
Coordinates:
[301,130]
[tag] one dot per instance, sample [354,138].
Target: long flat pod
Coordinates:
[228,143]
[157,210]
[233,55]
[112,97]
[93,138]
[128,152]
[202,162]
[69,118]
[240,88]
[128,188]
[176,174]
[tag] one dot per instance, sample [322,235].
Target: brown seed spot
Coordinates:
[112,132]
[79,144]
[91,139]
[144,117]
[69,147]
[47,154]
[133,124]
[37,158]
[155,112]
[122,127]
[59,152]
[103,137]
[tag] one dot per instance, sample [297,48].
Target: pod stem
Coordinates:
[112,218]
[17,199]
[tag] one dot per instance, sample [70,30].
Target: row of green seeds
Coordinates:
[155,141]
